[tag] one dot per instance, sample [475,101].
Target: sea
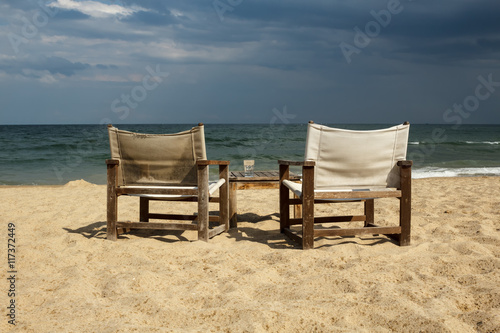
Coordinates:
[58,154]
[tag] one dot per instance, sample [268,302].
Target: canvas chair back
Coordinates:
[349,158]
[153,159]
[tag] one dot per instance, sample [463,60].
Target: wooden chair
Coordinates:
[344,166]
[167,167]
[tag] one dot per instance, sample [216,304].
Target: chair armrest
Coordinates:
[112,162]
[211,162]
[300,163]
[405,163]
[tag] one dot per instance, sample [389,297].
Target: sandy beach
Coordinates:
[69,278]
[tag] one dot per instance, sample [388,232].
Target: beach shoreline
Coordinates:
[254,279]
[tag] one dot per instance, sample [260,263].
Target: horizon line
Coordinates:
[263,123]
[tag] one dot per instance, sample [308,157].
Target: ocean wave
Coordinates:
[453,143]
[483,142]
[430,172]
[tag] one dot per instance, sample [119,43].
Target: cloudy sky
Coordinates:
[249,61]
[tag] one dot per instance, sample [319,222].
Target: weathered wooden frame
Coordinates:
[200,222]
[308,199]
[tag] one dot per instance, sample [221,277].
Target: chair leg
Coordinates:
[369,212]
[112,232]
[308,208]
[112,203]
[405,224]
[233,206]
[284,198]
[224,197]
[203,203]
[144,209]
[405,204]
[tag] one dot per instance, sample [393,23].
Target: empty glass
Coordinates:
[248,164]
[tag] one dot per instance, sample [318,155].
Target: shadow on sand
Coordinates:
[272,238]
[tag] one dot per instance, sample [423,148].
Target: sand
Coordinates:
[253,279]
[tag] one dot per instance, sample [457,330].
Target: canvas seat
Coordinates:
[348,166]
[166,167]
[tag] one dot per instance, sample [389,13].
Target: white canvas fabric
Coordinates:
[157,159]
[356,158]
[212,187]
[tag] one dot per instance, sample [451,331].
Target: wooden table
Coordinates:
[260,180]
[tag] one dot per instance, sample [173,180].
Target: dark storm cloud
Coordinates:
[259,54]
[54,65]
[313,14]
[461,31]
[457,19]
[101,66]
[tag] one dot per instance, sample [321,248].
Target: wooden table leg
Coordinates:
[233,206]
[297,209]
[369,212]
